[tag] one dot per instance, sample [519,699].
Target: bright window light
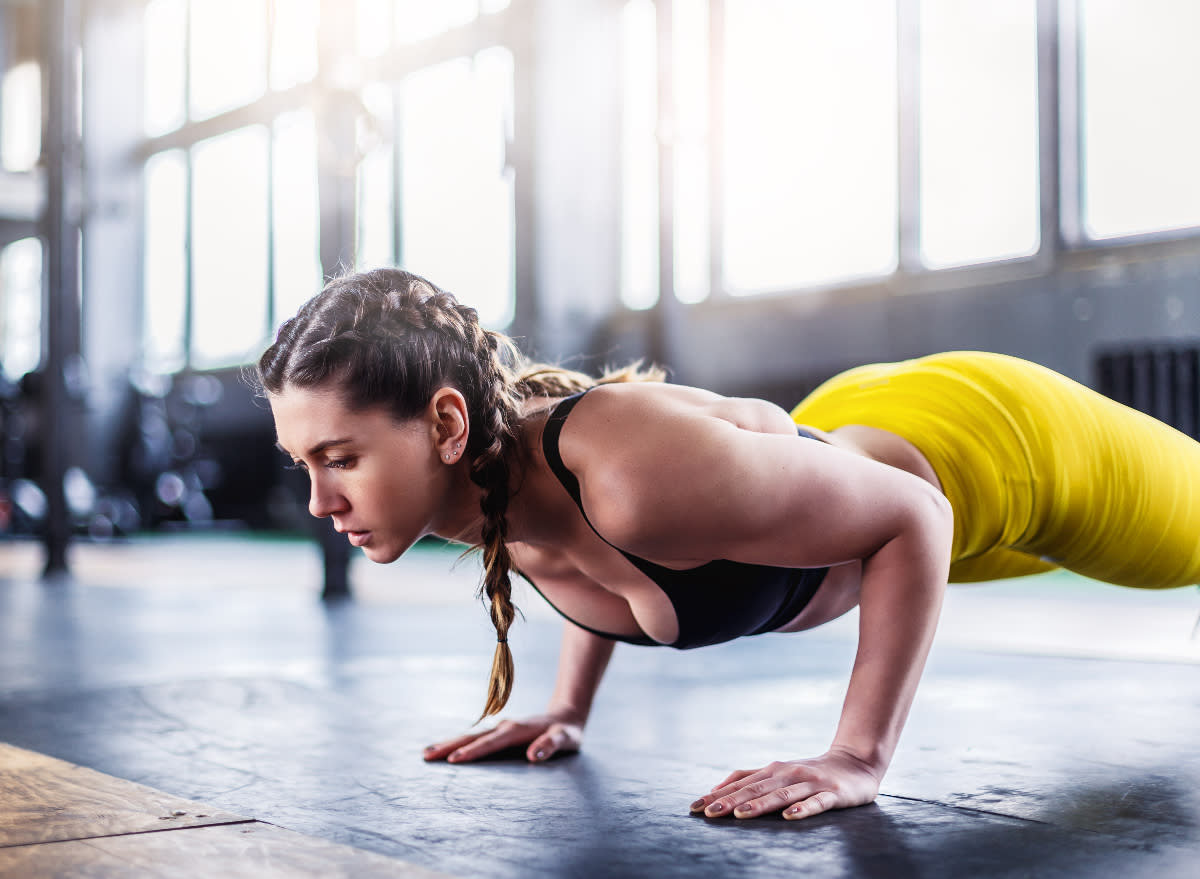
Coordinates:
[293,41]
[690,76]
[20,307]
[811,140]
[165,271]
[165,64]
[229,247]
[1140,75]
[420,19]
[456,191]
[297,256]
[21,117]
[639,156]
[228,54]
[979,192]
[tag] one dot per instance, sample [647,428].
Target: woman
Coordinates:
[660,514]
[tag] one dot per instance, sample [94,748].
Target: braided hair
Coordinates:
[391,338]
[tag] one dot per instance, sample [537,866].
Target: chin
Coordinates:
[382,555]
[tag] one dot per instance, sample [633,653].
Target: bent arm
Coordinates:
[581,664]
[900,600]
[718,492]
[582,661]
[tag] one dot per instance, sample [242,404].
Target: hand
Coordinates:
[802,788]
[546,735]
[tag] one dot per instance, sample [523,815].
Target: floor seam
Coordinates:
[6,846]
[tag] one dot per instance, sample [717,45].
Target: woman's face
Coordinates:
[385,483]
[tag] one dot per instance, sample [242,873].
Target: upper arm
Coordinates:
[671,484]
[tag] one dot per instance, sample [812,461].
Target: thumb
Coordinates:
[545,745]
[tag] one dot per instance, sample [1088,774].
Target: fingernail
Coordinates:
[453,758]
[794,811]
[540,755]
[716,807]
[742,809]
[697,806]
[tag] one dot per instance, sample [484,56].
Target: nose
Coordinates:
[323,498]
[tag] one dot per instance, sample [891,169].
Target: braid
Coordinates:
[490,471]
[390,338]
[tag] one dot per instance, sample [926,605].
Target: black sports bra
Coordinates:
[714,602]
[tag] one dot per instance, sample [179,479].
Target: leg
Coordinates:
[999,564]
[1034,462]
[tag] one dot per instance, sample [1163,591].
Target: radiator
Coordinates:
[1160,380]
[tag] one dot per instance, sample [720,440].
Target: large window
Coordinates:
[434,189]
[456,204]
[813,144]
[232,197]
[810,134]
[1140,73]
[229,246]
[979,197]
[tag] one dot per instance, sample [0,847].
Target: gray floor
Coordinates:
[1056,733]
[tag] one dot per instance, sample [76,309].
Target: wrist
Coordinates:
[565,713]
[873,759]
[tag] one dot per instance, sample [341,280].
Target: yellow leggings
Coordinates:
[1040,471]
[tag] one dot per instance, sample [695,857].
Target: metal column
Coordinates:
[336,170]
[60,228]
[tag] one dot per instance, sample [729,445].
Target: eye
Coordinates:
[340,463]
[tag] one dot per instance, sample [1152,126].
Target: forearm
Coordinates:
[901,597]
[582,661]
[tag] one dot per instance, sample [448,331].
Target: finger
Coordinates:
[727,800]
[439,750]
[730,785]
[734,777]
[503,736]
[814,805]
[774,801]
[548,744]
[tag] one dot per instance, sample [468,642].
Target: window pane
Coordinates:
[420,19]
[1140,73]
[165,65]
[229,247]
[229,54]
[374,244]
[297,262]
[21,307]
[164,278]
[978,130]
[374,21]
[21,117]
[294,42]
[810,149]
[456,190]
[690,45]
[375,213]
[639,156]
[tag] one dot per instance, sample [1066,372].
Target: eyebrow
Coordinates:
[319,447]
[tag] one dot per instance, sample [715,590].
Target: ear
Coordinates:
[451,424]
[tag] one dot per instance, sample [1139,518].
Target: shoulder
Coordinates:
[648,405]
[628,444]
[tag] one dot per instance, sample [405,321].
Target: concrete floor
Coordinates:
[1057,731]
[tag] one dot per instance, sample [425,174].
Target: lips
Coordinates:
[358,538]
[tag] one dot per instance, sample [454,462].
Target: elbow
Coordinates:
[924,533]
[933,520]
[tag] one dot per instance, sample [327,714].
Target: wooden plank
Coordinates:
[240,851]
[46,800]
